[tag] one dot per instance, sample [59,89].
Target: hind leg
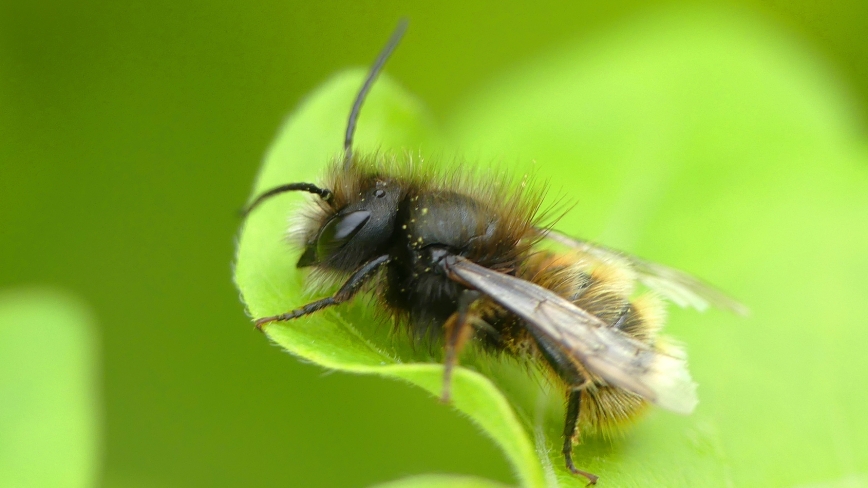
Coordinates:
[571,428]
[569,371]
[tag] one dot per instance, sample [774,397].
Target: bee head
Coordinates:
[355,232]
[356,218]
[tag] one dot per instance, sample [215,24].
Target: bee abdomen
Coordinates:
[605,291]
[607,410]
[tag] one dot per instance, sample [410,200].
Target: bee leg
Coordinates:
[571,427]
[347,291]
[458,330]
[622,317]
[577,380]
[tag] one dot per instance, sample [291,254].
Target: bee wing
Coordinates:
[620,360]
[679,287]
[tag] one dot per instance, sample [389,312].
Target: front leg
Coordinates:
[347,291]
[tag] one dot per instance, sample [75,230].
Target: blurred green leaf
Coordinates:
[49,428]
[698,139]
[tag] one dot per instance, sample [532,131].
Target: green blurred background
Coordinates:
[130,134]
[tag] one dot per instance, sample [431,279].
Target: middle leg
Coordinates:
[458,328]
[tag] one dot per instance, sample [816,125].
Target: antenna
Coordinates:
[366,87]
[323,193]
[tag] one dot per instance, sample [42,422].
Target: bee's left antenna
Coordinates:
[369,81]
[323,193]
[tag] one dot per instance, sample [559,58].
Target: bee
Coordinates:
[456,259]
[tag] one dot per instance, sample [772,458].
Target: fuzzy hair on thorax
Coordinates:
[517,202]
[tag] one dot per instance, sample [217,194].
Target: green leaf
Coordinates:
[706,141]
[698,139]
[49,425]
[347,338]
[440,481]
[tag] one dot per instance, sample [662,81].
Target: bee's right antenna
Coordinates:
[369,81]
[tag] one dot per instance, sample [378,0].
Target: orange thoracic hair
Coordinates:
[517,203]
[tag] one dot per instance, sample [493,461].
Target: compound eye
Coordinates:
[339,231]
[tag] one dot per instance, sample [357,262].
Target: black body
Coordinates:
[436,225]
[413,229]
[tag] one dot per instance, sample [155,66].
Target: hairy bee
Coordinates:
[459,259]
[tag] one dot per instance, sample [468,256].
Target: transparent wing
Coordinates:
[620,360]
[679,287]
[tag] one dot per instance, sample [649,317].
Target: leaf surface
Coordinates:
[698,139]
